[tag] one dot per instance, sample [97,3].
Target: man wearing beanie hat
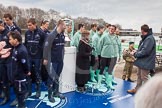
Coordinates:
[129,60]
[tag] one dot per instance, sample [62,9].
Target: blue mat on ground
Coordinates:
[107,99]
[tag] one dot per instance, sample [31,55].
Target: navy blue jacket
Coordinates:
[20,63]
[55,46]
[14,27]
[83,55]
[146,53]
[58,48]
[46,31]
[4,37]
[34,42]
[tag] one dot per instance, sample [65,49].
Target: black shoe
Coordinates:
[7,96]
[28,94]
[38,91]
[56,91]
[14,103]
[21,107]
[29,87]
[81,89]
[59,95]
[4,101]
[130,80]
[50,97]
[152,72]
[21,104]
[124,77]
[2,95]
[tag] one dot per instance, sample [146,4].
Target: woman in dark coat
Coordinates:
[83,62]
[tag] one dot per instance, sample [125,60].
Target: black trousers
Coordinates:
[35,66]
[5,74]
[81,76]
[20,91]
[99,60]
[57,69]
[92,63]
[1,72]
[95,64]
[109,62]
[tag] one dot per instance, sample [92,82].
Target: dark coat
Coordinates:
[20,62]
[5,37]
[54,50]
[146,53]
[83,55]
[14,27]
[34,42]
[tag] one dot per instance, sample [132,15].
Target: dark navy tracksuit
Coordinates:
[3,62]
[55,46]
[20,69]
[57,53]
[14,27]
[5,66]
[34,42]
[7,76]
[46,31]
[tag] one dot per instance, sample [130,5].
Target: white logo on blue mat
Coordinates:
[44,102]
[116,98]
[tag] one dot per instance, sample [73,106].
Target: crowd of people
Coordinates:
[97,54]
[21,61]
[98,51]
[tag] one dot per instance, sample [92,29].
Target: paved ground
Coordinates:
[120,66]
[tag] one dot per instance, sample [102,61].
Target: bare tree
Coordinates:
[21,15]
[118,26]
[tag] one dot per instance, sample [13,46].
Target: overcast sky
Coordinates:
[128,13]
